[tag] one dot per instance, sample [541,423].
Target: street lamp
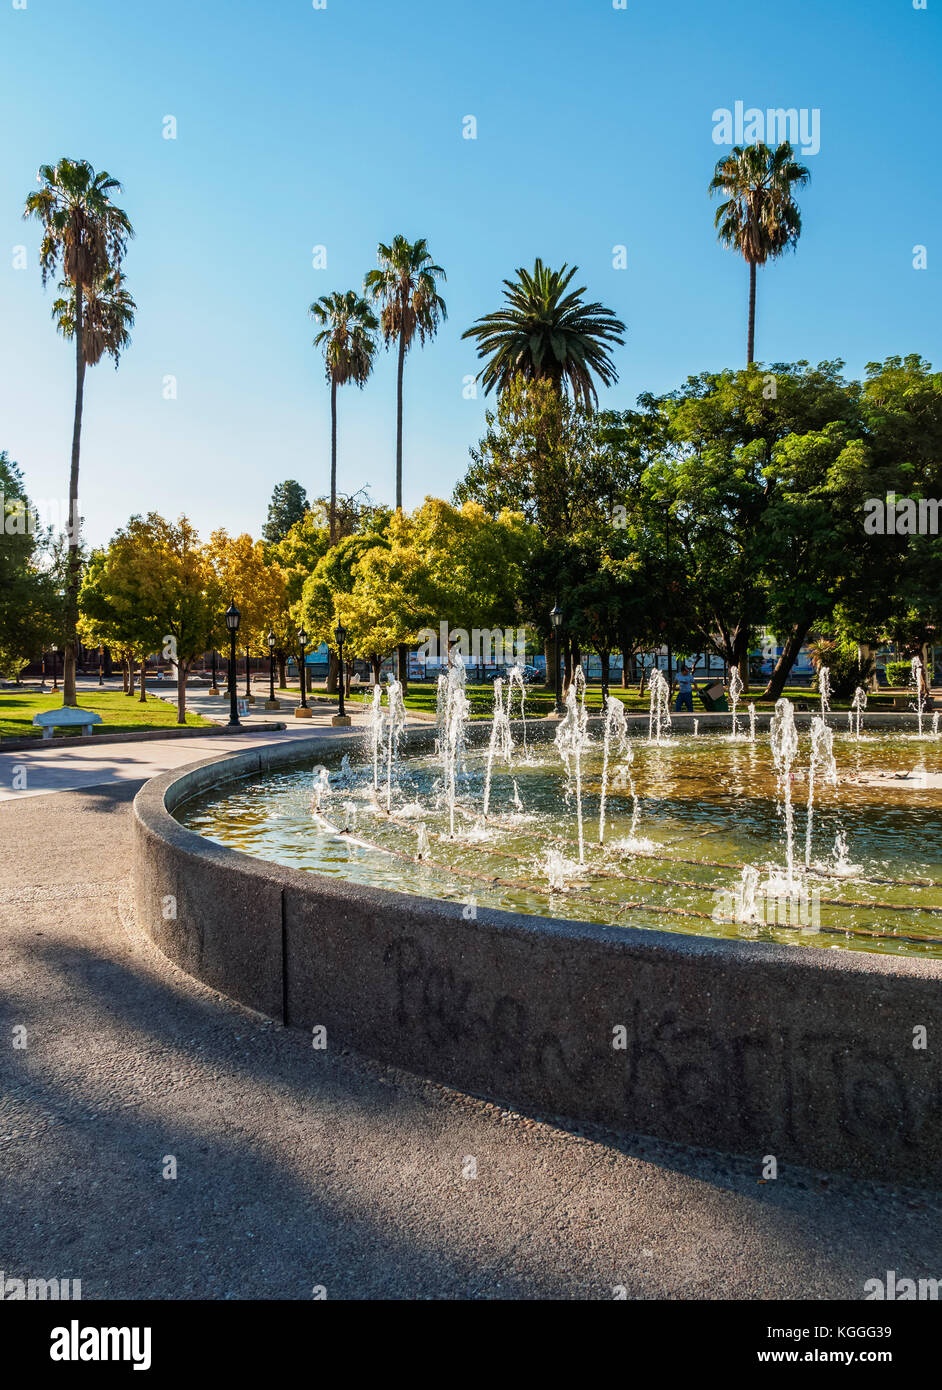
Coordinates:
[55,668]
[340,636]
[556,618]
[232,623]
[302,711]
[214,688]
[271,702]
[101,665]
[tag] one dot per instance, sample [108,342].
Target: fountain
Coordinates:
[822,756]
[396,723]
[501,744]
[572,739]
[824,689]
[659,715]
[375,725]
[857,707]
[784,752]
[752,723]
[453,714]
[735,690]
[616,738]
[920,701]
[515,680]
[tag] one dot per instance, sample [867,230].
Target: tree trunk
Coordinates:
[130,689]
[402,667]
[124,676]
[786,661]
[70,642]
[626,661]
[182,670]
[604,660]
[143,699]
[333,459]
[332,667]
[348,677]
[751,346]
[282,670]
[548,654]
[399,374]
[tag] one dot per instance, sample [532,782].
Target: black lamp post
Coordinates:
[214,689]
[232,623]
[55,668]
[271,639]
[340,634]
[101,665]
[556,618]
[302,643]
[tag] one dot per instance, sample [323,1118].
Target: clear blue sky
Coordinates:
[343,127]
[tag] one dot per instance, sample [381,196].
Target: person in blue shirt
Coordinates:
[684,681]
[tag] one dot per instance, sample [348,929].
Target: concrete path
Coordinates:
[298,1168]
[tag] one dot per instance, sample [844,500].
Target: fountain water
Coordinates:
[822,757]
[321,788]
[376,724]
[735,690]
[784,751]
[572,739]
[454,712]
[752,723]
[396,723]
[935,724]
[824,688]
[515,680]
[916,680]
[659,716]
[615,739]
[857,707]
[501,744]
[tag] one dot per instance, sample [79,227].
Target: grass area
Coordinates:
[422,698]
[119,713]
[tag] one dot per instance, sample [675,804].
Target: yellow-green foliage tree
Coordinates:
[255,583]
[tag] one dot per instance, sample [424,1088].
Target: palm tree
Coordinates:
[86,235]
[543,332]
[348,325]
[107,317]
[406,288]
[760,219]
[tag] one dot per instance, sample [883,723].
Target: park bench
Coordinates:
[66,718]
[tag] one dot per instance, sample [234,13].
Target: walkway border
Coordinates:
[806,1055]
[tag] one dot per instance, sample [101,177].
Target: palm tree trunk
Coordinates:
[402,659]
[333,460]
[751,345]
[70,636]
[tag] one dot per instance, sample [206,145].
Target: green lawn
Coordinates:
[119,713]
[422,698]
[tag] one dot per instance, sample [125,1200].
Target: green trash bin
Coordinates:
[713,698]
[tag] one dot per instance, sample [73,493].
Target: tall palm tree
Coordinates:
[760,218]
[543,332]
[85,235]
[107,317]
[406,288]
[348,326]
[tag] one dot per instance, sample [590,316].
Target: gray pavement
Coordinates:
[298,1168]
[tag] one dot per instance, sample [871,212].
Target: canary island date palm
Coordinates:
[760,218]
[405,287]
[347,338]
[545,331]
[84,236]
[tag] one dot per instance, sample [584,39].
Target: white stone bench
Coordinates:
[66,718]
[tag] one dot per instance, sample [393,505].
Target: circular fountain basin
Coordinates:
[611,990]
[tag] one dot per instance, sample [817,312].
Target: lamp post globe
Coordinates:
[233,617]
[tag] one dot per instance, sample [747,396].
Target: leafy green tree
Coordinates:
[31,606]
[347,339]
[85,234]
[287,506]
[759,218]
[547,332]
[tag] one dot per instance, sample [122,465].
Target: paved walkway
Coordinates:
[298,1168]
